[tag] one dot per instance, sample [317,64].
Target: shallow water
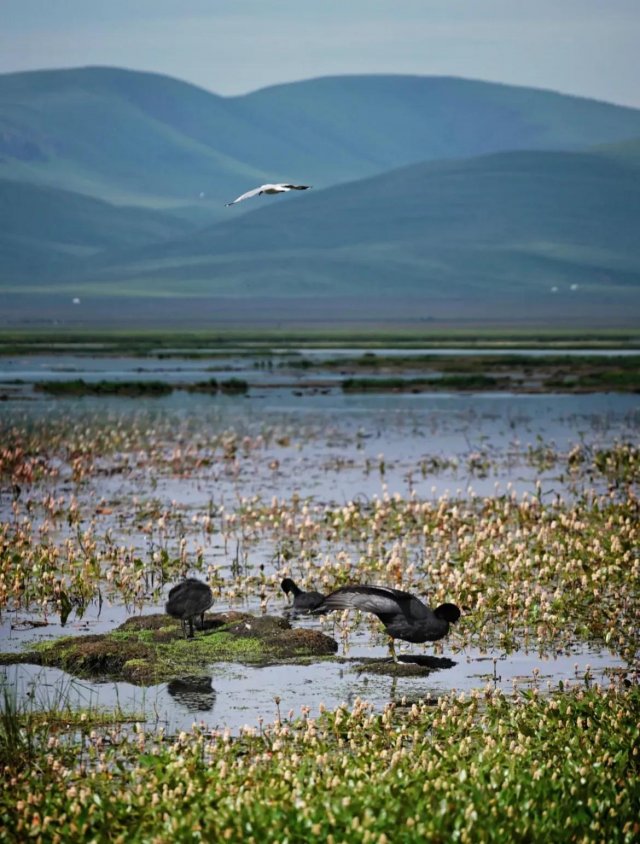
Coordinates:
[326,448]
[237,695]
[258,369]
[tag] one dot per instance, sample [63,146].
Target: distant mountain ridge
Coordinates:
[115,180]
[140,138]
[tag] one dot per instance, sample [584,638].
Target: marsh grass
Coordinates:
[79,387]
[16,732]
[477,381]
[543,572]
[538,572]
[30,725]
[516,372]
[483,767]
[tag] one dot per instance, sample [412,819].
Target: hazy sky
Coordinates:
[587,47]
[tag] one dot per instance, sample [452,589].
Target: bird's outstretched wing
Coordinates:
[380,600]
[277,188]
[246,195]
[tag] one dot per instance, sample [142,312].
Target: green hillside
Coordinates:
[144,139]
[490,226]
[45,231]
[121,136]
[388,121]
[430,189]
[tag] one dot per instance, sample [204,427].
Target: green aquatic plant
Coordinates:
[620,464]
[79,387]
[421,384]
[480,767]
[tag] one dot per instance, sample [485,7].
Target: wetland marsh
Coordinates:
[521,508]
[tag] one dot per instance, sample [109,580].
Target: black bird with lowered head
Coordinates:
[302,601]
[187,600]
[404,616]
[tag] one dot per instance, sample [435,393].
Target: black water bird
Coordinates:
[302,601]
[187,600]
[404,616]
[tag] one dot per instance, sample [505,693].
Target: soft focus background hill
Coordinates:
[504,225]
[45,230]
[140,138]
[439,190]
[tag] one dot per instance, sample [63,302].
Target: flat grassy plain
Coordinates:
[106,503]
[154,341]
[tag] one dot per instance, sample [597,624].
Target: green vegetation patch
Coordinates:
[482,768]
[79,387]
[611,380]
[163,343]
[209,386]
[150,649]
[447,382]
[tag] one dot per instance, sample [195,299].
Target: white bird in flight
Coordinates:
[281,188]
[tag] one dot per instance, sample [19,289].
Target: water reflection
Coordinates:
[434,663]
[244,694]
[194,694]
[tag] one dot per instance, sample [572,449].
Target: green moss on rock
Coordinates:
[151,649]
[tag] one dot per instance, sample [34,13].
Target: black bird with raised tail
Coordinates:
[404,616]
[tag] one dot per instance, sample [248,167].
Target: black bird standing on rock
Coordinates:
[404,616]
[188,599]
[302,601]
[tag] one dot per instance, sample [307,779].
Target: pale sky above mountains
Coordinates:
[585,47]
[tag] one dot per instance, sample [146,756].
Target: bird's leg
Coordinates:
[191,627]
[183,623]
[392,651]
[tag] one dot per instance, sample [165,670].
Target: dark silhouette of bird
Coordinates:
[195,694]
[302,601]
[404,616]
[187,600]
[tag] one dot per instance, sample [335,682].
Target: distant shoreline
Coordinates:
[180,342]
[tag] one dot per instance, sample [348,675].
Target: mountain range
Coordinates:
[451,196]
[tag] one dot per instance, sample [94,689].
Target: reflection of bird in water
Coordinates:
[188,600]
[196,694]
[404,616]
[302,601]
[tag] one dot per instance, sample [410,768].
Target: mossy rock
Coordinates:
[151,649]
